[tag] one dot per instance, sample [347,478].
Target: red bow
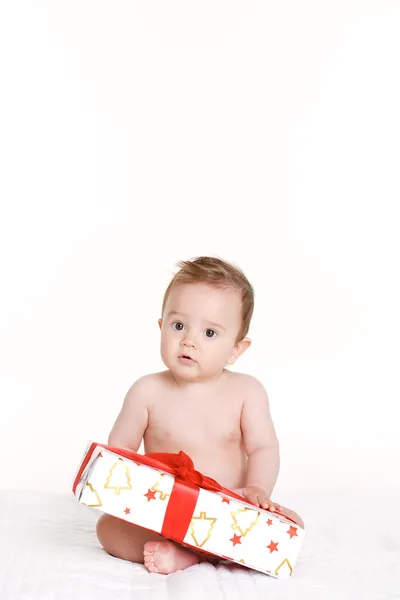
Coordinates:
[182,467]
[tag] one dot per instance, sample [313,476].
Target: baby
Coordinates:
[220,418]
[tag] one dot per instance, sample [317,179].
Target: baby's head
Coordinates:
[206,314]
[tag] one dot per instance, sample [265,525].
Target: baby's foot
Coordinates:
[166,557]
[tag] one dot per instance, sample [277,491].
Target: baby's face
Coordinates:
[203,323]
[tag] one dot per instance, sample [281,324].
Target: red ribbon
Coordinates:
[185,491]
[183,468]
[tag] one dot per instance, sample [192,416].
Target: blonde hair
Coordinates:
[218,274]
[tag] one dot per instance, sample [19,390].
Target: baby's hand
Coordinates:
[258,496]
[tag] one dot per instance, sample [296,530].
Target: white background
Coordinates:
[137,134]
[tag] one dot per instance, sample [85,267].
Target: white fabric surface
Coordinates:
[50,551]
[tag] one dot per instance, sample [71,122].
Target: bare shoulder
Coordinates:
[247,389]
[150,385]
[144,387]
[148,380]
[161,378]
[249,383]
[132,421]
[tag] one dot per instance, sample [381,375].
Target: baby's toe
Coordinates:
[151,567]
[149,562]
[148,555]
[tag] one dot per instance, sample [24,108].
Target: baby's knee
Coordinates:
[298,520]
[293,515]
[116,538]
[105,530]
[112,533]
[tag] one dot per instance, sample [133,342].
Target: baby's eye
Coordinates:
[177,323]
[210,336]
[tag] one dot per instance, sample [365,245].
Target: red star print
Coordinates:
[269,522]
[127,510]
[150,495]
[100,455]
[226,500]
[292,531]
[236,539]
[273,546]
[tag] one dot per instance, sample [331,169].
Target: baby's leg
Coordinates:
[290,513]
[130,542]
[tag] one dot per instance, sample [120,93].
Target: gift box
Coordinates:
[163,492]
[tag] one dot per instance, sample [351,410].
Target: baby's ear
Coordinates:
[240,347]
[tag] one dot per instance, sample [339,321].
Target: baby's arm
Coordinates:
[259,437]
[132,421]
[262,448]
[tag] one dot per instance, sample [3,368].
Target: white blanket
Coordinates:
[49,551]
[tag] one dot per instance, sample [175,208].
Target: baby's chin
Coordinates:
[193,372]
[185,371]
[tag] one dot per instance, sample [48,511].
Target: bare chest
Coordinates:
[179,423]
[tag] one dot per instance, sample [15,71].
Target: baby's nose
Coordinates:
[189,340]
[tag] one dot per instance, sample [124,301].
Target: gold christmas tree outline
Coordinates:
[281,565]
[89,485]
[163,495]
[203,517]
[117,488]
[237,526]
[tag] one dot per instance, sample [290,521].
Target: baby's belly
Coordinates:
[225,461]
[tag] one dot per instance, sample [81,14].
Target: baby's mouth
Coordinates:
[187,357]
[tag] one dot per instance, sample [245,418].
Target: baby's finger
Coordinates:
[272,506]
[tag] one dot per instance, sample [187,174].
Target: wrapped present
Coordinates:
[162,492]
